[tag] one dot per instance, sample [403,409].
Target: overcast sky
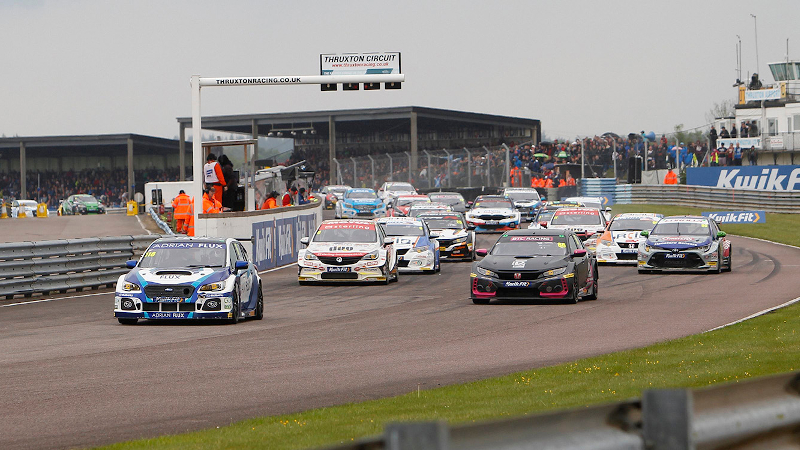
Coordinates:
[581,67]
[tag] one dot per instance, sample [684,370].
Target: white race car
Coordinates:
[585,222]
[416,250]
[620,241]
[392,189]
[526,200]
[347,250]
[456,241]
[592,202]
[423,207]
[26,206]
[492,213]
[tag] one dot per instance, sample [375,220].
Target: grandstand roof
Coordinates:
[359,120]
[87,145]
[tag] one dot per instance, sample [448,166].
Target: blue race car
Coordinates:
[190,278]
[416,250]
[360,203]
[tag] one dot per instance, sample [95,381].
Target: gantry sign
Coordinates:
[392,79]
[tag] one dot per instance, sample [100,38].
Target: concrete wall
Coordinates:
[274,234]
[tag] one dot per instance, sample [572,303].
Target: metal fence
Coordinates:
[756,414]
[43,267]
[446,168]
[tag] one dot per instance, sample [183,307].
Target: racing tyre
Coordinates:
[388,276]
[719,263]
[574,299]
[593,295]
[480,301]
[729,266]
[126,321]
[235,311]
[260,304]
[396,276]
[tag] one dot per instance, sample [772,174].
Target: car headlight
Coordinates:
[460,240]
[348,205]
[310,256]
[371,256]
[131,287]
[554,272]
[420,249]
[485,272]
[219,286]
[647,248]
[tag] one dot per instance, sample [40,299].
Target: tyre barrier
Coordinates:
[42,267]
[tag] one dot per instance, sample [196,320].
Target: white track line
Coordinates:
[142,225]
[760,313]
[45,300]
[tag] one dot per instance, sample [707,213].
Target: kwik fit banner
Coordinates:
[276,242]
[760,178]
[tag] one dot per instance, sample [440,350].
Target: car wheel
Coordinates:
[396,277]
[729,266]
[260,304]
[388,274]
[719,263]
[480,301]
[574,298]
[235,312]
[593,295]
[126,321]
[305,283]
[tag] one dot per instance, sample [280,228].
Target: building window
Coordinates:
[773,126]
[796,126]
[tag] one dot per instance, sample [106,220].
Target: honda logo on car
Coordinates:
[517,276]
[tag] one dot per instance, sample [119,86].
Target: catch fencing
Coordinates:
[465,167]
[761,413]
[28,268]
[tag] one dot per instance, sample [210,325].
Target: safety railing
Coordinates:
[27,268]
[759,413]
[161,224]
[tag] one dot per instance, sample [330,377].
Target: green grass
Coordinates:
[765,345]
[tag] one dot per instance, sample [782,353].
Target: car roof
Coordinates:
[360,190]
[363,221]
[536,232]
[491,197]
[408,220]
[201,239]
[571,210]
[444,193]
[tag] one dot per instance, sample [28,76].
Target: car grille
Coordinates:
[157,307]
[339,276]
[402,251]
[364,208]
[346,260]
[160,290]
[531,275]
[402,263]
[627,256]
[517,293]
[690,261]
[492,216]
[628,245]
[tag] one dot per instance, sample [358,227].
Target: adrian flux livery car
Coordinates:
[492,213]
[360,203]
[347,250]
[190,278]
[685,243]
[619,243]
[416,250]
[534,264]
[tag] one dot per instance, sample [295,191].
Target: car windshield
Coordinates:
[400,187]
[528,246]
[450,199]
[522,196]
[443,223]
[164,255]
[362,195]
[403,229]
[576,218]
[86,199]
[545,215]
[423,208]
[407,201]
[632,224]
[501,204]
[698,228]
[346,232]
[337,191]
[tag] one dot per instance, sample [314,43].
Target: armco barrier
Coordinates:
[48,266]
[716,198]
[161,224]
[762,413]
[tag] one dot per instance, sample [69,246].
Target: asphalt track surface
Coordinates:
[70,227]
[73,377]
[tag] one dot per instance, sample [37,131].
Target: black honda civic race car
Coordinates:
[534,265]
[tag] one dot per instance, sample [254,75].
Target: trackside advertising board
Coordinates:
[759,178]
[276,242]
[359,63]
[737,216]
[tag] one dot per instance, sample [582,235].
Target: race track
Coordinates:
[72,376]
[71,227]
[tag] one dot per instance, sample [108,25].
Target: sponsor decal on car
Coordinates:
[516,284]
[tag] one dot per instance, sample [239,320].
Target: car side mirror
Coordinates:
[481,252]
[387,241]
[645,233]
[130,264]
[579,253]
[543,224]
[304,240]
[240,265]
[469,204]
[607,209]
[721,234]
